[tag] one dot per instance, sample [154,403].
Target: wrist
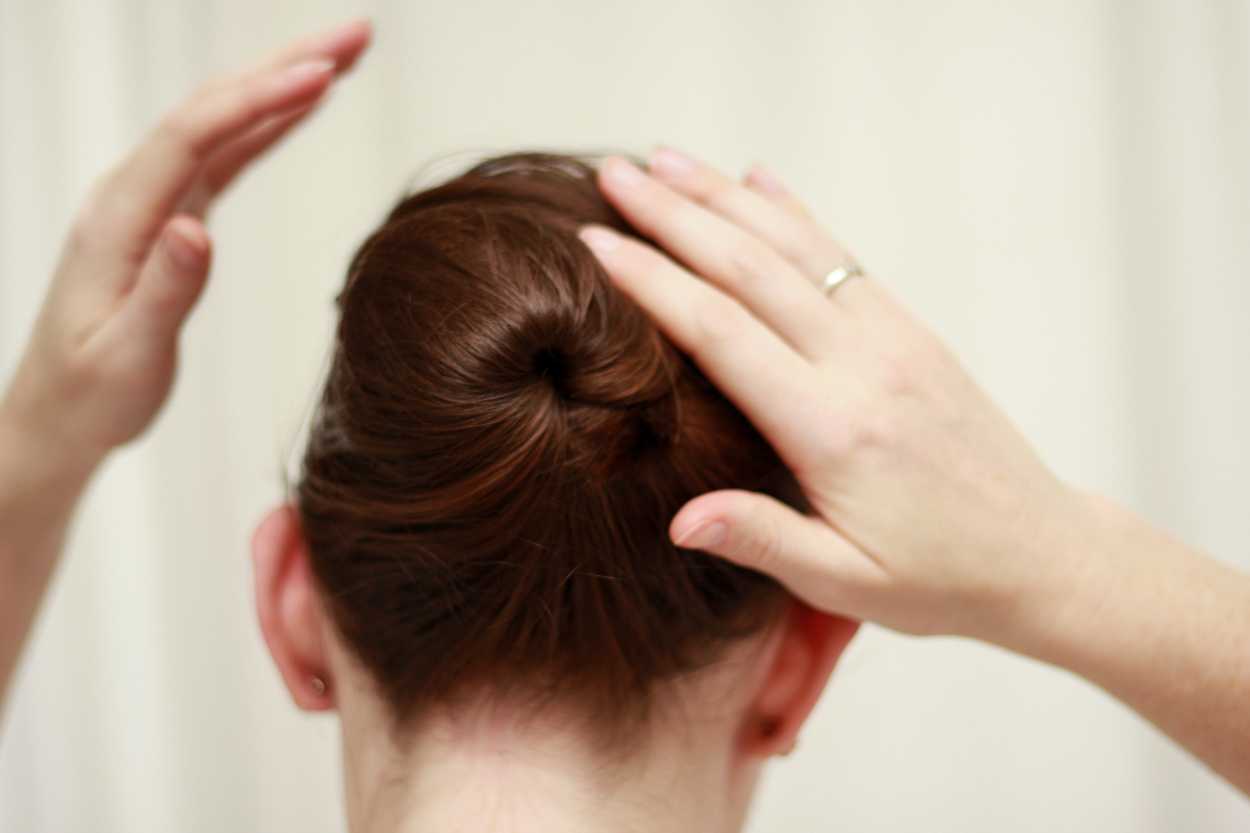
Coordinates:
[34,457]
[1101,587]
[1073,565]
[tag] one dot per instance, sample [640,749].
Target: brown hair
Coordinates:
[503,439]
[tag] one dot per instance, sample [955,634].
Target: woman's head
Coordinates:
[501,443]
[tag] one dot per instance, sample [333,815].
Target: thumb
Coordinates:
[803,552]
[172,278]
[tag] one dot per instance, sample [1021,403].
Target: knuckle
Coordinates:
[795,245]
[839,438]
[634,261]
[900,368]
[870,423]
[712,190]
[765,540]
[661,210]
[877,430]
[801,242]
[749,262]
[895,376]
[819,249]
[643,259]
[718,319]
[185,127]
[836,414]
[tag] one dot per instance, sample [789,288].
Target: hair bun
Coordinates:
[550,364]
[503,439]
[602,364]
[529,309]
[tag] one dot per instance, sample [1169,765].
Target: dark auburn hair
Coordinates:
[502,441]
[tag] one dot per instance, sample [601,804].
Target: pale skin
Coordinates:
[492,765]
[102,356]
[933,515]
[98,367]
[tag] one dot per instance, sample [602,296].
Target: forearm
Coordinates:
[40,483]
[1160,626]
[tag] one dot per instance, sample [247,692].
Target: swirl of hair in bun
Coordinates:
[501,443]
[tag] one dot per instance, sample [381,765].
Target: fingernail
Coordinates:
[306,70]
[599,239]
[671,163]
[184,250]
[766,180]
[703,536]
[622,172]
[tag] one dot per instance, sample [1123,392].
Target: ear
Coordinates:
[290,612]
[809,646]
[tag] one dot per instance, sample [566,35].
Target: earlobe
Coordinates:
[809,648]
[289,609]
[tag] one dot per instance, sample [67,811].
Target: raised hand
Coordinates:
[102,357]
[101,360]
[933,513]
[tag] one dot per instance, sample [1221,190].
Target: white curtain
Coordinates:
[1061,188]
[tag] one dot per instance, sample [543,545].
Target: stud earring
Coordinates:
[319,685]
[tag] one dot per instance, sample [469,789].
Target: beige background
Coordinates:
[1061,188]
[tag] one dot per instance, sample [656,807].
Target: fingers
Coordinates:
[136,199]
[234,157]
[766,183]
[773,218]
[154,180]
[735,260]
[764,207]
[342,43]
[170,282]
[776,388]
[804,553]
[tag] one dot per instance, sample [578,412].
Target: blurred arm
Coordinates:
[102,357]
[39,488]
